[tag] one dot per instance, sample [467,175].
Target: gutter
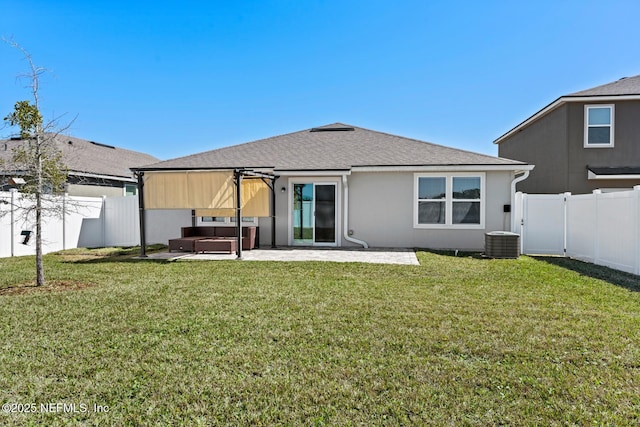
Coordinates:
[345,219]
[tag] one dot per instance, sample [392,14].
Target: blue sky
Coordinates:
[176,78]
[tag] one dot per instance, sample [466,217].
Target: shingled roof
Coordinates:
[624,88]
[88,157]
[331,147]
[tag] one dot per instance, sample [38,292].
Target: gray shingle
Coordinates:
[331,150]
[85,156]
[624,86]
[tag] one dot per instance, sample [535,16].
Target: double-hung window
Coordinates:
[598,125]
[449,200]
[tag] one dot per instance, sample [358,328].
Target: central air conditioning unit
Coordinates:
[501,244]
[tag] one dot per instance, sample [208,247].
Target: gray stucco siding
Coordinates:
[381,208]
[555,145]
[625,152]
[381,212]
[543,144]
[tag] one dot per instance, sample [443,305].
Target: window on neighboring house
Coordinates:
[130,189]
[449,200]
[598,121]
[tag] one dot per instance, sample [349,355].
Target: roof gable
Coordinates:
[331,147]
[626,88]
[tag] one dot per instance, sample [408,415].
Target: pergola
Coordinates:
[208,192]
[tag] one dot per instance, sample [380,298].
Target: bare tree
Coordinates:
[37,160]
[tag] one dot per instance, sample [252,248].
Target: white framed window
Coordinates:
[598,125]
[225,220]
[449,200]
[130,189]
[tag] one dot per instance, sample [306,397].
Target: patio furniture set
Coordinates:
[213,239]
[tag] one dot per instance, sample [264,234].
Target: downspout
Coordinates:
[345,219]
[516,180]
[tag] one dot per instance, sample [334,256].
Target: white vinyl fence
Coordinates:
[84,222]
[602,228]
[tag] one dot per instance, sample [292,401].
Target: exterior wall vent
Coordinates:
[501,244]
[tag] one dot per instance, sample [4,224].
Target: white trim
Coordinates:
[310,173]
[449,201]
[611,125]
[560,101]
[110,177]
[318,180]
[445,168]
[592,175]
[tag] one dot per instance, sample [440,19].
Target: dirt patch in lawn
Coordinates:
[49,286]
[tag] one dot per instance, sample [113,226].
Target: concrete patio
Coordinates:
[373,256]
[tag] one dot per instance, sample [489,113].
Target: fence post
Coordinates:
[636,212]
[565,224]
[104,221]
[64,221]
[12,206]
[596,228]
[523,222]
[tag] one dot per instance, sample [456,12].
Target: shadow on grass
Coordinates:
[454,254]
[103,255]
[609,275]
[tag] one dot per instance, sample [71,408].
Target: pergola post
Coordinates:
[273,213]
[143,237]
[238,176]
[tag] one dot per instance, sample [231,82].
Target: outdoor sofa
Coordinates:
[213,239]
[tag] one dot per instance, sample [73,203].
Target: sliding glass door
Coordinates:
[314,214]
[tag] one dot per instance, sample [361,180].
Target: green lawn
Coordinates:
[454,341]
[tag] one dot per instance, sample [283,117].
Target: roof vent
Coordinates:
[70,142]
[102,145]
[333,129]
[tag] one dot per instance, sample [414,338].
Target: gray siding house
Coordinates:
[95,169]
[583,141]
[344,186]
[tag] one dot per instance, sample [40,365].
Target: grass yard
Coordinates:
[454,341]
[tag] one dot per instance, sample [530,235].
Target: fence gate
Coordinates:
[543,224]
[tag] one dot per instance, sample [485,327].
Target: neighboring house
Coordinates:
[583,141]
[94,169]
[341,185]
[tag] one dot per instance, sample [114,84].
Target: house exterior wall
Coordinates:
[555,145]
[625,152]
[381,208]
[94,190]
[381,212]
[543,144]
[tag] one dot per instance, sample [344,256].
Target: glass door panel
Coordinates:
[303,214]
[325,213]
[314,214]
